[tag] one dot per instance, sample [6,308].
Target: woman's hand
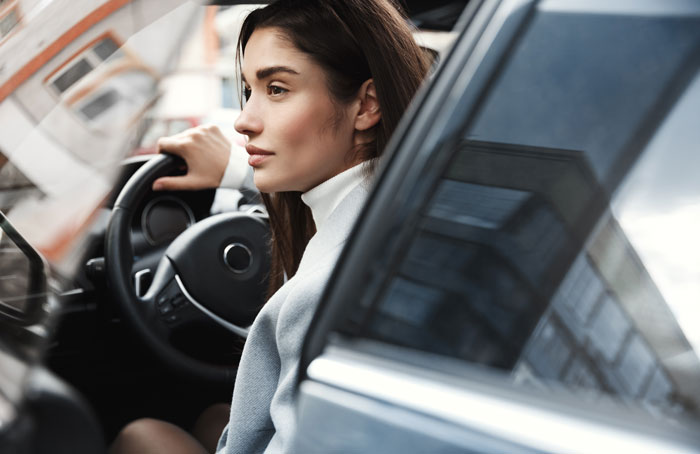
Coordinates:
[206,152]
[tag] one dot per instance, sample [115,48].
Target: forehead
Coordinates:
[269,47]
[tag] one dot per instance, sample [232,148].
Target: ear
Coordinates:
[369,113]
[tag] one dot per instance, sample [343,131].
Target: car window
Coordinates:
[73,95]
[558,246]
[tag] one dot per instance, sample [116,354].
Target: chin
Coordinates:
[267,185]
[267,181]
[263,188]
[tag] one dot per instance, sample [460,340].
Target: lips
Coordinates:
[257,155]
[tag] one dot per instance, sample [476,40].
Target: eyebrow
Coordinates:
[267,72]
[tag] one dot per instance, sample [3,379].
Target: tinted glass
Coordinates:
[559,245]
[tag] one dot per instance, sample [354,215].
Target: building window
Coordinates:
[74,73]
[83,63]
[8,21]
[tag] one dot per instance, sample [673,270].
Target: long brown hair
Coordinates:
[353,41]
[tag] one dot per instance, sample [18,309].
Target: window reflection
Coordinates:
[556,248]
[519,264]
[658,206]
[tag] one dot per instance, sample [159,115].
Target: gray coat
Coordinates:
[262,411]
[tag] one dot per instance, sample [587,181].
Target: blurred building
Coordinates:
[76,77]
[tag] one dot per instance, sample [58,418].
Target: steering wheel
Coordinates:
[214,272]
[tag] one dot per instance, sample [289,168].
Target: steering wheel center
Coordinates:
[238,258]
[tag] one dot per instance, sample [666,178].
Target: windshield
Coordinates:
[75,89]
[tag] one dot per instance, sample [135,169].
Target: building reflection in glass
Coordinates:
[518,264]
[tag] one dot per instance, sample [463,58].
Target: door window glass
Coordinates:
[559,246]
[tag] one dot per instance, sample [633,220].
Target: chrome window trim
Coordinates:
[380,415]
[498,416]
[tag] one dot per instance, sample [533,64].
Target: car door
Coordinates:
[523,278]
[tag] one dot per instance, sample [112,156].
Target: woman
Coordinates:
[325,84]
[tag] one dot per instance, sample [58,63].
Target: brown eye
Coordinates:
[275,90]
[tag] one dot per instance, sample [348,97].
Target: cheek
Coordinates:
[306,125]
[296,128]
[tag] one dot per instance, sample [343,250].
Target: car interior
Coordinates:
[522,278]
[102,359]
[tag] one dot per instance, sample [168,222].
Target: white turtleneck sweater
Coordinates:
[325,197]
[237,171]
[263,415]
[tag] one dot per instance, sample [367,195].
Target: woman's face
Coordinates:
[296,137]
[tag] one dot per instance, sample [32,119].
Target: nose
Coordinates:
[249,122]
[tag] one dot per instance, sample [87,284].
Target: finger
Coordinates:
[174,145]
[181,183]
[213,131]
